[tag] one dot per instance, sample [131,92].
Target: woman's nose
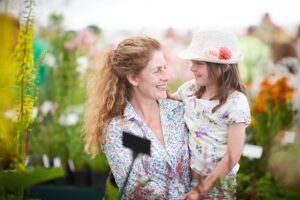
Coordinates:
[166,75]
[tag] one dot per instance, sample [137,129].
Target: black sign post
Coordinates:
[138,146]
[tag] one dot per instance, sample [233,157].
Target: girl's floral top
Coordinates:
[163,175]
[209,131]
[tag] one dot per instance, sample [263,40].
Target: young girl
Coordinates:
[216,114]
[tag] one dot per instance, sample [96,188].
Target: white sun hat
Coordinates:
[213,46]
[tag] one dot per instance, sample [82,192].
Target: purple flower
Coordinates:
[225,115]
[201,133]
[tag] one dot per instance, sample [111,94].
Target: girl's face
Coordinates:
[200,70]
[152,81]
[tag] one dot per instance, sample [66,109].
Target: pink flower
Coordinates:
[84,38]
[222,53]
[212,53]
[225,54]
[70,45]
[95,53]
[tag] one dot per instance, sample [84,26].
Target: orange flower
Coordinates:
[274,92]
[248,85]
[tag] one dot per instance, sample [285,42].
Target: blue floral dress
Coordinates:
[208,133]
[163,175]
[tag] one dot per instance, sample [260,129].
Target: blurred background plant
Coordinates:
[57,130]
[18,93]
[272,109]
[272,113]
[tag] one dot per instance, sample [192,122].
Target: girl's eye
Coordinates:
[158,70]
[199,64]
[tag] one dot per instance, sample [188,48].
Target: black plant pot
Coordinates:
[99,179]
[68,179]
[51,192]
[82,178]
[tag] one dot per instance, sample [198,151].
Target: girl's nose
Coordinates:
[193,68]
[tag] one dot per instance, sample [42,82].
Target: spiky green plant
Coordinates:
[17,87]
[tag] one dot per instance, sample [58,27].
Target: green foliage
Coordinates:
[65,89]
[112,193]
[174,85]
[269,123]
[13,182]
[12,179]
[19,91]
[272,113]
[19,94]
[266,187]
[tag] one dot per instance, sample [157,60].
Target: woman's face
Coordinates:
[199,68]
[152,81]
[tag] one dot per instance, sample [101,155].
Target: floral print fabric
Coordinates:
[208,131]
[163,175]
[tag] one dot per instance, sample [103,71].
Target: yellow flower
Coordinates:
[17,74]
[253,121]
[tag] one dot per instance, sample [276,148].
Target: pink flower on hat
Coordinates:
[212,53]
[225,53]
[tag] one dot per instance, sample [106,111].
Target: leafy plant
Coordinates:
[272,111]
[53,133]
[18,92]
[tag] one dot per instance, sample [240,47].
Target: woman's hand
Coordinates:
[194,194]
[200,191]
[205,186]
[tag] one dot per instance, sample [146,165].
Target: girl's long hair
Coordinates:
[228,80]
[109,89]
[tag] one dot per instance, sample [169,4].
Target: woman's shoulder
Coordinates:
[170,104]
[115,124]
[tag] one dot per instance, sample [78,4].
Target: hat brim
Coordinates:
[187,55]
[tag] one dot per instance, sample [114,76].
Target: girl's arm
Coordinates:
[235,145]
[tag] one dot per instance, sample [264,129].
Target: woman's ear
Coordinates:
[132,79]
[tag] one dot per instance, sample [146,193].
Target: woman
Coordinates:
[129,94]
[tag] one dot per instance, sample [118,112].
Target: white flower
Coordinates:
[82,64]
[50,60]
[69,119]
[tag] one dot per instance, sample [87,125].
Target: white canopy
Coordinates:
[157,14]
